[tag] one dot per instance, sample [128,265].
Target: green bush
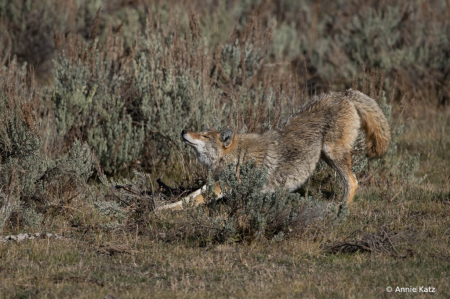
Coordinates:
[27,175]
[128,78]
[245,213]
[89,105]
[20,165]
[119,102]
[334,40]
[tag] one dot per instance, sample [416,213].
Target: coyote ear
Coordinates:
[208,127]
[226,136]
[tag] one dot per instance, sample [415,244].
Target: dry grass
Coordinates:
[298,267]
[135,263]
[397,233]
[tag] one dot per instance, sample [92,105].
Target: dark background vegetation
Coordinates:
[95,93]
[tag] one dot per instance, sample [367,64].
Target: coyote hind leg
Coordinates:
[343,165]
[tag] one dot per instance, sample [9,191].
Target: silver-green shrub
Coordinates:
[245,213]
[119,102]
[334,40]
[20,165]
[90,105]
[27,174]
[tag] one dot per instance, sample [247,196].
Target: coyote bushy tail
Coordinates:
[373,122]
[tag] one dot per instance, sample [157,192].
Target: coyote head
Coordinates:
[210,145]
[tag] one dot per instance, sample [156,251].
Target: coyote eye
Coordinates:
[205,136]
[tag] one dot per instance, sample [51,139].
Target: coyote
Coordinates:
[325,128]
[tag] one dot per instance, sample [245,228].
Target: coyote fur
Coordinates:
[325,128]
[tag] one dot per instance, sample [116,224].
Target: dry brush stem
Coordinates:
[380,242]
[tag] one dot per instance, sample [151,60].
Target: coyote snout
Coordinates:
[209,145]
[325,128]
[189,140]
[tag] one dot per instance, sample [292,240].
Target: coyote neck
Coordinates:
[245,147]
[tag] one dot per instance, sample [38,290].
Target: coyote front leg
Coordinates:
[196,195]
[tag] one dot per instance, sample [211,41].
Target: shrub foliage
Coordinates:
[118,82]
